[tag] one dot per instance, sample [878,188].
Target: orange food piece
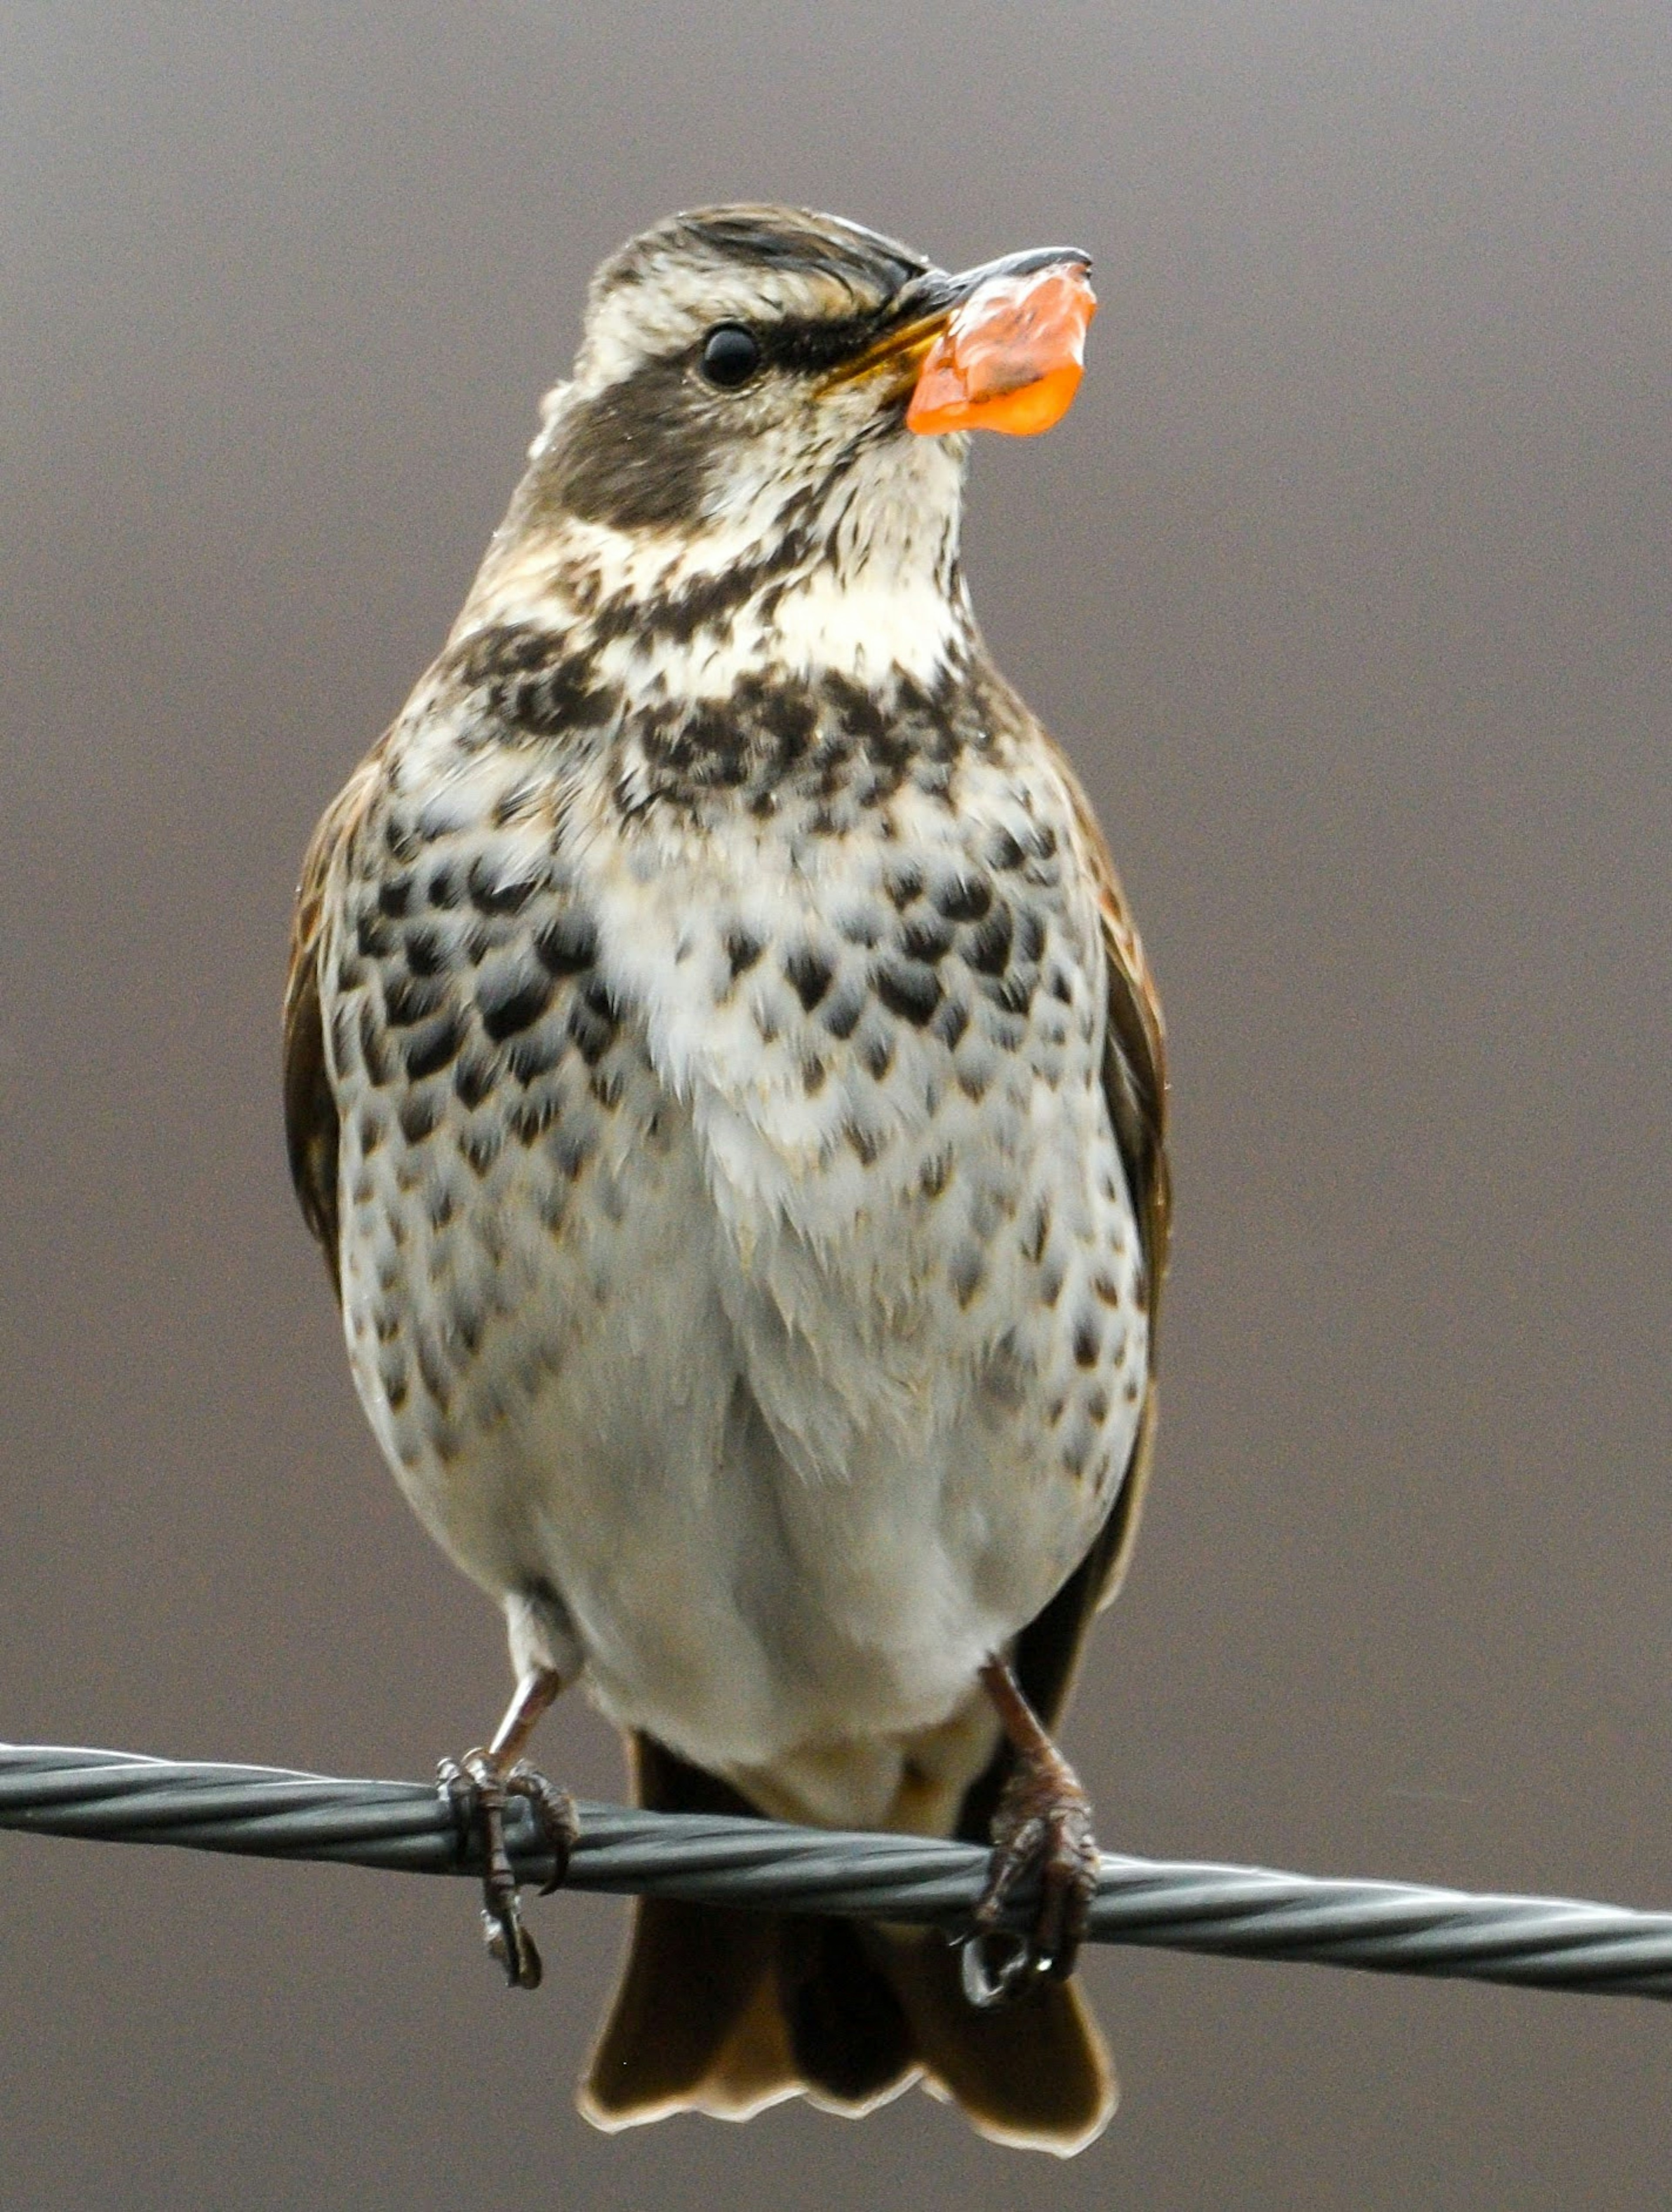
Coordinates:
[1010,358]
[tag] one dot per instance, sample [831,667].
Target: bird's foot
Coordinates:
[477,1791]
[1042,1832]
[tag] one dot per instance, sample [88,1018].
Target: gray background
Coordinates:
[1347,582]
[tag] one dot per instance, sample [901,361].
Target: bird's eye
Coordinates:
[730,354]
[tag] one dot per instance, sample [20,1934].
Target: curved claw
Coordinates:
[510,1942]
[476,1793]
[1042,1833]
[988,1978]
[554,1815]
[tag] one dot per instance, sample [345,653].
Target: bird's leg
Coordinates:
[477,1788]
[1042,1831]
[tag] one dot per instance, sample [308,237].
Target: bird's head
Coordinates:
[733,452]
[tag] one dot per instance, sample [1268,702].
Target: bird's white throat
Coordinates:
[868,586]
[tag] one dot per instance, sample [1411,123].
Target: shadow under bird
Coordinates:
[728,1087]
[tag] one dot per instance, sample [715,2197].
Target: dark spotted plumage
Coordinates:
[727,1089]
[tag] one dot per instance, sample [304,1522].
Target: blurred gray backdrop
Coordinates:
[1347,585]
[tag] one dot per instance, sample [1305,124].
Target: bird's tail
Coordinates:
[724,2011]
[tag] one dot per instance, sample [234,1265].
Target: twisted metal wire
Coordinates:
[1248,1913]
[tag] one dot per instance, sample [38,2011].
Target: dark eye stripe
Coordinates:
[638,454]
[809,344]
[805,346]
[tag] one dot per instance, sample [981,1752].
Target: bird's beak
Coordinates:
[1000,347]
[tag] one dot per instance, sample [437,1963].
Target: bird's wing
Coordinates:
[1135,1081]
[1134,1074]
[310,1108]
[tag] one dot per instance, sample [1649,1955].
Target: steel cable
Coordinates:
[1249,1912]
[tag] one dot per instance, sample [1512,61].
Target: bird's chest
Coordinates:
[886,1017]
[729,1210]
[828,965]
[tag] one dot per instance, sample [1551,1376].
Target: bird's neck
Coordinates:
[660,615]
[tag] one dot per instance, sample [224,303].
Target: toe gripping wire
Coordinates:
[1233,1911]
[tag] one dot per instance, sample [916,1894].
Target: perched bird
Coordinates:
[728,1087]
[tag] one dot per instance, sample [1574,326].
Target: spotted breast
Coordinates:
[736,1258]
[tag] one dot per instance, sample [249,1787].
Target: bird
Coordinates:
[724,1077]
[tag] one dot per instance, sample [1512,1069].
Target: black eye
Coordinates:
[730,356]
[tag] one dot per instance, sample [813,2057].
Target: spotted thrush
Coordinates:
[728,1090]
